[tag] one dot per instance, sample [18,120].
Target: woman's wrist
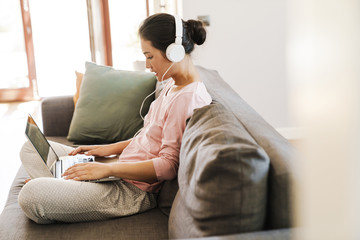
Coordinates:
[118,147]
[113,169]
[139,171]
[109,169]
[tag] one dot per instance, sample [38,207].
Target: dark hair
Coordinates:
[159,29]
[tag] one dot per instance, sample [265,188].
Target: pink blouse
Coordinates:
[164,125]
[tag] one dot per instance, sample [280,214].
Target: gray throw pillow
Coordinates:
[109,103]
[222,178]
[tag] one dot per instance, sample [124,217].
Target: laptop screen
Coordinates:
[37,138]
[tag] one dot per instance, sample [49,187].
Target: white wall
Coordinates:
[246,44]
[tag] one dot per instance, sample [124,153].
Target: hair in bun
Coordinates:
[196,31]
[159,29]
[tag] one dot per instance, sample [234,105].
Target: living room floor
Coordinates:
[12,131]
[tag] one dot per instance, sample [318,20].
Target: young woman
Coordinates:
[146,160]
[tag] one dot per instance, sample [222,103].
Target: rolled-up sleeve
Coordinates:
[166,167]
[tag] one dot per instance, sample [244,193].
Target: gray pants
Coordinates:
[46,200]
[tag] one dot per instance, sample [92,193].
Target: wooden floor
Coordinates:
[12,127]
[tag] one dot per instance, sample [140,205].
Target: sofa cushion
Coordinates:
[14,224]
[167,195]
[108,107]
[222,178]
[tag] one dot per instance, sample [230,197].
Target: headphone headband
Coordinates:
[178,30]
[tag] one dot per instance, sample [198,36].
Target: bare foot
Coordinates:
[27,180]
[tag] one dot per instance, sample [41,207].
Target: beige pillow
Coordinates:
[79,78]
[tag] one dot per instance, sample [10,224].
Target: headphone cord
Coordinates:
[142,104]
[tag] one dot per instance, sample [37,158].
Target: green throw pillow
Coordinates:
[108,107]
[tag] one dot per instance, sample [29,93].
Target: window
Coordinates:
[16,76]
[13,61]
[61,44]
[125,19]
[165,6]
[40,54]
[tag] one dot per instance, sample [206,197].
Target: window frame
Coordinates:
[104,33]
[106,49]
[29,93]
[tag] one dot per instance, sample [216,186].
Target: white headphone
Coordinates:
[175,52]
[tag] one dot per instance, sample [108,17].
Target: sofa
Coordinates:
[235,179]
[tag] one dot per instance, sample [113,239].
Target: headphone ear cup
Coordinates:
[175,52]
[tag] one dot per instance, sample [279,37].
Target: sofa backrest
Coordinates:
[281,153]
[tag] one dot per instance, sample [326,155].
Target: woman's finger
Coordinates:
[75,175]
[88,153]
[73,168]
[74,152]
[77,150]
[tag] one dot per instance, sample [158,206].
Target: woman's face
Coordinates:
[155,60]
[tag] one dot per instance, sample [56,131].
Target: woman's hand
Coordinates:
[82,150]
[102,150]
[87,171]
[95,150]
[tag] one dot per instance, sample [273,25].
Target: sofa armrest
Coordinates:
[57,113]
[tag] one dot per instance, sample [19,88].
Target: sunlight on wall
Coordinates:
[324,57]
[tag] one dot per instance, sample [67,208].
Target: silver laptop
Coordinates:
[44,149]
